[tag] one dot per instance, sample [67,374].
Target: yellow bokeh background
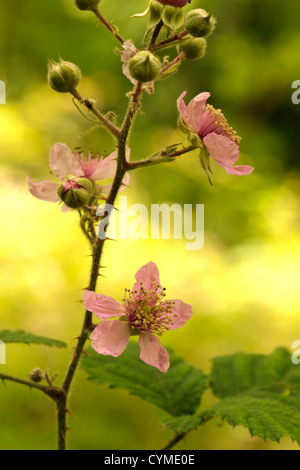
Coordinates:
[243,284]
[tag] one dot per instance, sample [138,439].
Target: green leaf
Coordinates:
[259,392]
[19,336]
[178,392]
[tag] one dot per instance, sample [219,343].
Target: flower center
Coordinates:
[147,311]
[215,121]
[88,163]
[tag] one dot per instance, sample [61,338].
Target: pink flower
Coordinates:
[219,139]
[144,312]
[175,3]
[67,167]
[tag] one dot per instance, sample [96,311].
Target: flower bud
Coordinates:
[199,23]
[144,66]
[86,4]
[63,76]
[76,192]
[36,375]
[172,17]
[193,48]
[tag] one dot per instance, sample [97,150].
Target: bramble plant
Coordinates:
[256,391]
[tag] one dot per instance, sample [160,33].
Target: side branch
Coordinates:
[161,158]
[89,105]
[108,25]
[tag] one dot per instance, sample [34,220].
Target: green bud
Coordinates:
[172,17]
[155,12]
[76,192]
[193,48]
[63,77]
[199,23]
[36,375]
[144,66]
[86,4]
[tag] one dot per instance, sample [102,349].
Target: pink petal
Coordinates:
[106,168]
[153,353]
[148,276]
[180,314]
[221,149]
[196,109]
[182,107]
[239,170]
[44,190]
[192,114]
[102,306]
[63,162]
[225,152]
[111,337]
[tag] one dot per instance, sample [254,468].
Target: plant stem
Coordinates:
[178,437]
[159,159]
[97,249]
[108,25]
[170,41]
[89,105]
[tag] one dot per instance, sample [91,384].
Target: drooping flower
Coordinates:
[219,140]
[175,3]
[70,168]
[144,312]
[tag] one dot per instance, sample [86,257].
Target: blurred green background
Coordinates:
[244,283]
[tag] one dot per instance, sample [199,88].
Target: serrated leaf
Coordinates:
[261,393]
[19,336]
[178,392]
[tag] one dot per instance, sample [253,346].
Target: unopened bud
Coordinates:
[36,375]
[172,17]
[87,4]
[63,76]
[76,192]
[199,23]
[193,48]
[144,66]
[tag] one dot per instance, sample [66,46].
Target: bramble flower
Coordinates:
[144,312]
[218,139]
[73,170]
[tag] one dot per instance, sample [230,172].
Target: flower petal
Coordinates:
[148,277]
[153,353]
[196,109]
[225,153]
[101,305]
[221,149]
[111,337]
[180,314]
[44,190]
[238,170]
[63,162]
[106,168]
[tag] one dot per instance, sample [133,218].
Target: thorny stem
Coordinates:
[97,250]
[90,106]
[108,25]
